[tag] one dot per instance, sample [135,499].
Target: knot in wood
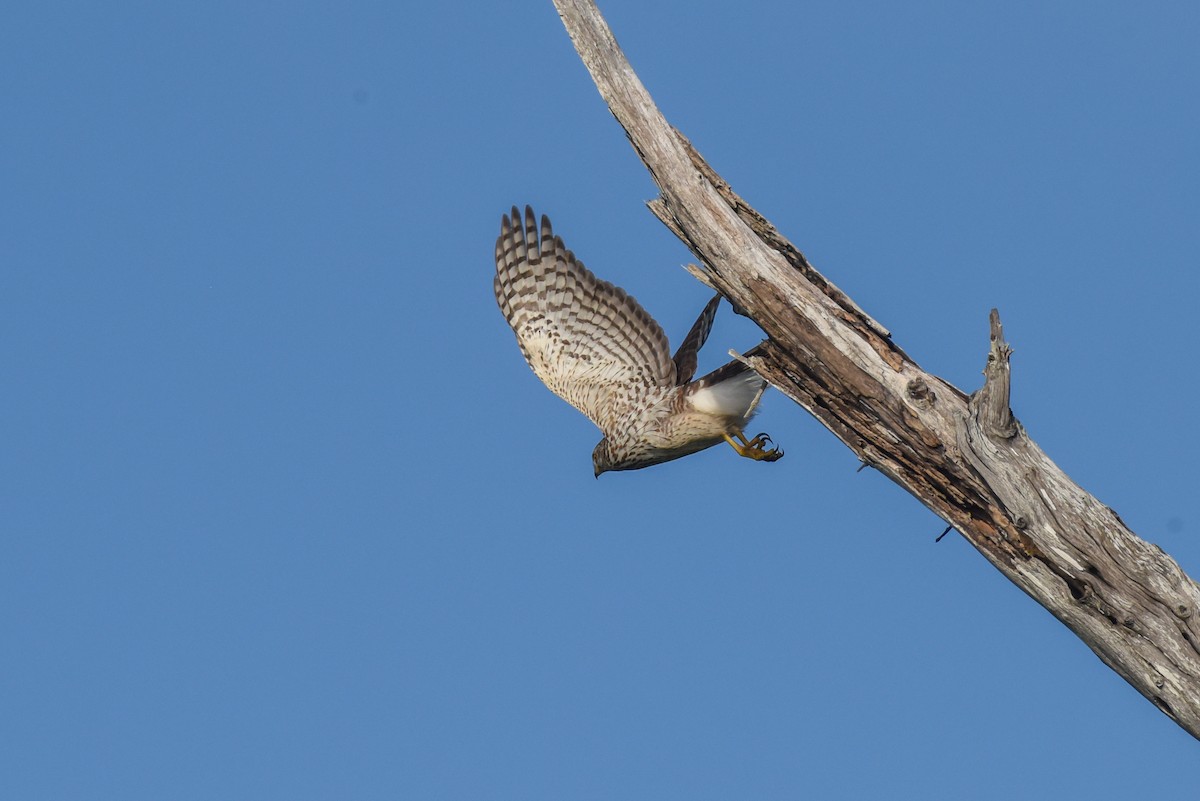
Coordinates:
[1182,611]
[919,391]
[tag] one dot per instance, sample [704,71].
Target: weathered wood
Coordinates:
[966,458]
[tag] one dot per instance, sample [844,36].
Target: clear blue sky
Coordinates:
[285,515]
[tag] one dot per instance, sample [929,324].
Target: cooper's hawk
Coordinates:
[596,348]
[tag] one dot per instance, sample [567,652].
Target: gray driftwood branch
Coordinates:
[965,457]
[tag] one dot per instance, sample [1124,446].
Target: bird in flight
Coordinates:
[596,348]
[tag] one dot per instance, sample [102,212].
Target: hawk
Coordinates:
[596,348]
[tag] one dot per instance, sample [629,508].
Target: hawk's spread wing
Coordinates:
[587,340]
[686,358]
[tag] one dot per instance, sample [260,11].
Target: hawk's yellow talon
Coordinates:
[760,441]
[755,448]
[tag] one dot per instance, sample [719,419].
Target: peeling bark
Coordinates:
[965,457]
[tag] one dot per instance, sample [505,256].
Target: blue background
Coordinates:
[285,515]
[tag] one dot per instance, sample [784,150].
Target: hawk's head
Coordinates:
[602,460]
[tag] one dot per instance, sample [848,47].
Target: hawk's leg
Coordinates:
[755,449]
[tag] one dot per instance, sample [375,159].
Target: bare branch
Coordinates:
[966,459]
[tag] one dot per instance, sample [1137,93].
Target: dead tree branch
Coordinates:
[965,457]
